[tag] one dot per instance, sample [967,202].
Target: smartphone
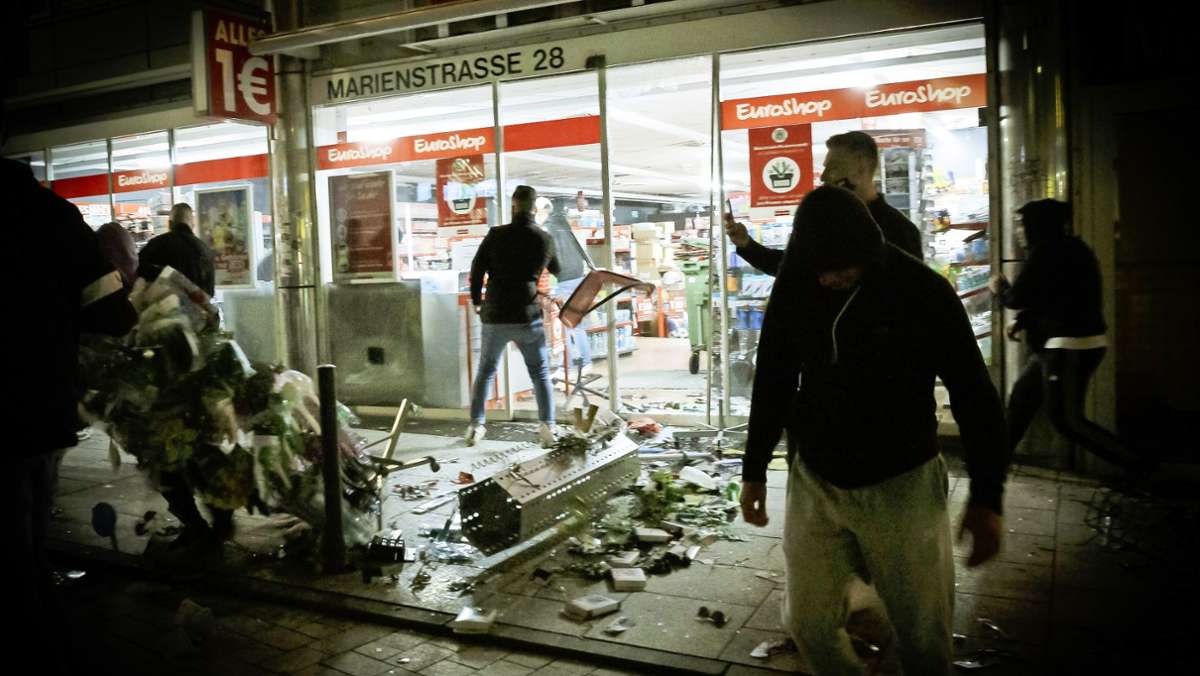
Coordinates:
[729,207]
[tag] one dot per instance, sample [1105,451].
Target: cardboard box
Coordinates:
[651,535]
[624,559]
[590,606]
[628,579]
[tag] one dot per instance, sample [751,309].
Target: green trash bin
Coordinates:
[695,284]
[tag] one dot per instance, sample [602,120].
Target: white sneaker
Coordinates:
[546,435]
[475,433]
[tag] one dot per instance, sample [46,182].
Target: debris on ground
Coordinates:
[473,620]
[619,625]
[982,659]
[771,647]
[717,617]
[698,478]
[590,607]
[142,526]
[645,426]
[417,491]
[651,535]
[628,579]
[624,559]
[464,478]
[196,620]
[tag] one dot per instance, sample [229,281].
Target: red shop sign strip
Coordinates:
[916,96]
[208,171]
[226,169]
[574,131]
[81,186]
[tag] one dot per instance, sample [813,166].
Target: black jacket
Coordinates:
[896,229]
[1058,291]
[512,257]
[850,375]
[181,249]
[67,287]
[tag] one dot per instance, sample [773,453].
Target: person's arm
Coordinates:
[974,401]
[761,257]
[1034,280]
[479,268]
[552,262]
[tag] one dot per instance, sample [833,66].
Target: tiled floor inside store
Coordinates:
[1070,593]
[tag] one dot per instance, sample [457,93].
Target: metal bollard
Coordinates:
[334,543]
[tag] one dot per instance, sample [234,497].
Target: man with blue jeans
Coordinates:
[512,257]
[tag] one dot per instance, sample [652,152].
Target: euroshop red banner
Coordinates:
[573,131]
[916,96]
[459,203]
[781,165]
[225,169]
[407,149]
[81,186]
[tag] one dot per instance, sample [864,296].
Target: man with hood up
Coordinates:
[855,334]
[1058,294]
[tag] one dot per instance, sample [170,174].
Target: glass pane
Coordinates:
[437,151]
[79,173]
[932,158]
[660,150]
[228,157]
[552,143]
[141,183]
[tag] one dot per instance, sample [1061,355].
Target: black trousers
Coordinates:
[1058,379]
[39,630]
[181,502]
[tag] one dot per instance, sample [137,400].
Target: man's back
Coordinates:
[182,250]
[512,257]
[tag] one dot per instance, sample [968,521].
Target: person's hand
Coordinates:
[754,503]
[477,308]
[985,527]
[736,231]
[1013,330]
[998,283]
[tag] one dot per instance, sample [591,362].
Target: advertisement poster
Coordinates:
[224,220]
[781,165]
[459,202]
[363,231]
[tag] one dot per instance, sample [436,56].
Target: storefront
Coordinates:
[634,141]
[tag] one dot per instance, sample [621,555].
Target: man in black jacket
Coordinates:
[855,333]
[77,292]
[1058,294]
[512,258]
[851,163]
[181,249]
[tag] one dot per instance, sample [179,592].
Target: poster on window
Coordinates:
[364,234]
[781,165]
[224,220]
[459,203]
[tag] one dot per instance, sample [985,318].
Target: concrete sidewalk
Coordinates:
[1066,598]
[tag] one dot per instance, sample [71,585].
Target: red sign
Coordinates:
[362,223]
[573,131]
[240,85]
[407,149]
[80,186]
[224,169]
[781,165]
[142,179]
[917,96]
[459,204]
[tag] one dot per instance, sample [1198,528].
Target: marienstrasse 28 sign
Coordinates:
[228,81]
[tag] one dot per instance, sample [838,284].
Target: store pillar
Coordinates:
[297,262]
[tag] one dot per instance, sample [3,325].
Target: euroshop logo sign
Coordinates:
[357,153]
[129,181]
[454,142]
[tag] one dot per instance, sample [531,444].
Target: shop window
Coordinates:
[660,150]
[141,183]
[79,173]
[36,161]
[222,170]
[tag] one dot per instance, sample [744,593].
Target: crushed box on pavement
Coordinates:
[591,606]
[628,579]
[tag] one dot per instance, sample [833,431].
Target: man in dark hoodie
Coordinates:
[1058,294]
[851,162]
[855,334]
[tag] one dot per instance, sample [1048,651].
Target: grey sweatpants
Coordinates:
[894,535]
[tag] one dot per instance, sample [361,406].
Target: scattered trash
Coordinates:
[197,620]
[768,648]
[619,625]
[717,617]
[628,579]
[767,575]
[645,426]
[590,607]
[651,535]
[472,620]
[464,478]
[959,640]
[699,478]
[65,578]
[452,552]
[420,581]
[540,574]
[624,559]
[418,491]
[992,627]
[678,555]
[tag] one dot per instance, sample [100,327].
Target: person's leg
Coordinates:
[821,560]
[1025,400]
[181,502]
[1067,375]
[537,361]
[903,529]
[492,342]
[222,523]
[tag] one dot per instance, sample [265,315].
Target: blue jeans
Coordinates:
[531,340]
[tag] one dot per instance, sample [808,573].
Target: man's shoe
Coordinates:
[546,435]
[475,433]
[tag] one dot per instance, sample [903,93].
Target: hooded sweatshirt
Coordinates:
[1058,291]
[850,374]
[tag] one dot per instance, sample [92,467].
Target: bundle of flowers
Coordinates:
[180,396]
